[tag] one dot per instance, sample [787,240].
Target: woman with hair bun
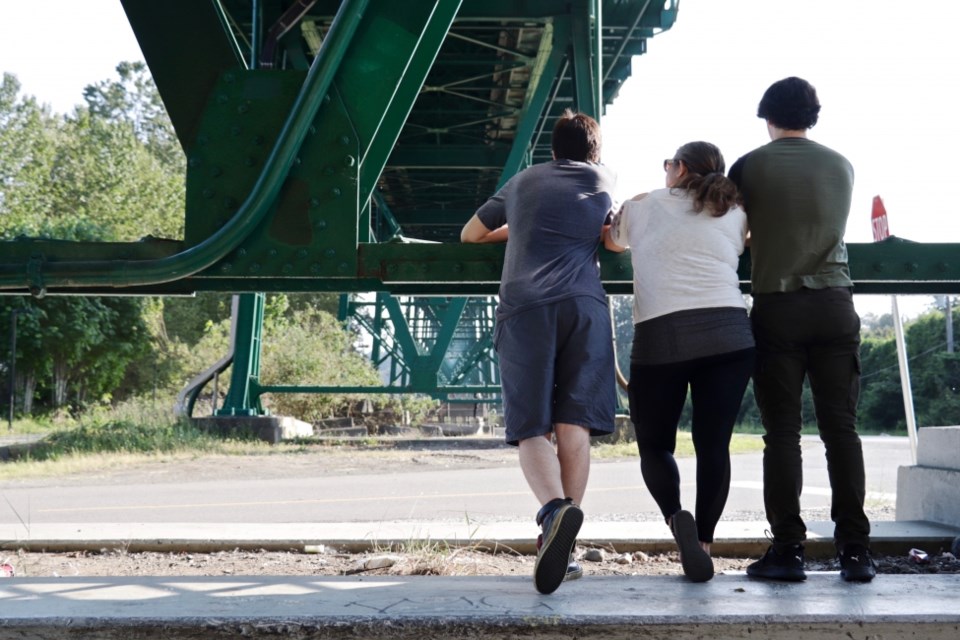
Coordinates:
[691,331]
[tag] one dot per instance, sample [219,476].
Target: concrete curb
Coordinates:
[732,539]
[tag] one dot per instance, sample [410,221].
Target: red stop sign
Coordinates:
[878,219]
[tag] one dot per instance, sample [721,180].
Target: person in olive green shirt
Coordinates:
[797,195]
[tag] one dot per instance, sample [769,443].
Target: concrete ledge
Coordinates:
[939,447]
[417,607]
[732,538]
[272,429]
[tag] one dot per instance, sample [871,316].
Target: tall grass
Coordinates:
[122,436]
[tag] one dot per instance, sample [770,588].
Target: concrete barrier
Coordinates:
[929,489]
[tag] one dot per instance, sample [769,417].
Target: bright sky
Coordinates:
[885,71]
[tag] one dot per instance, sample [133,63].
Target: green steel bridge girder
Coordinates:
[283,164]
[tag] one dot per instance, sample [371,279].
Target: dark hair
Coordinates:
[705,180]
[576,136]
[791,104]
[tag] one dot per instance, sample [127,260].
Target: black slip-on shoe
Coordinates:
[697,564]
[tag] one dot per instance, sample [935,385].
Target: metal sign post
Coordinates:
[881,231]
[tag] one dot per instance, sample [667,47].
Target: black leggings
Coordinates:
[657,395]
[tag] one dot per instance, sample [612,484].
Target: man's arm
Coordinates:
[477,232]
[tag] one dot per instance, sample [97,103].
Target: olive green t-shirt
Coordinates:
[797,197]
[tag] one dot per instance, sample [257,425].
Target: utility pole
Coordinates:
[949,324]
[13,366]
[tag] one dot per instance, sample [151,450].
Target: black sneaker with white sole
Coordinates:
[561,520]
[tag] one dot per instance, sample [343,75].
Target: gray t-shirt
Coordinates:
[556,211]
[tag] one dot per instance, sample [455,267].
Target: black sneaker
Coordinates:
[696,562]
[786,564]
[856,564]
[561,520]
[574,571]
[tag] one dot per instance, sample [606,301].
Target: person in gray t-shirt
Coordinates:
[553,334]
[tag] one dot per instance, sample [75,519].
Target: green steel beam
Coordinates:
[449,156]
[452,269]
[420,217]
[44,273]
[242,398]
[584,67]
[553,49]
[185,74]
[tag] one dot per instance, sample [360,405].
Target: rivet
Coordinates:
[943,267]
[330,253]
[226,267]
[910,267]
[258,140]
[314,202]
[316,268]
[272,253]
[302,253]
[243,108]
[349,161]
[195,161]
[392,267]
[344,140]
[254,267]
[208,193]
[250,161]
[228,77]
[241,252]
[235,131]
[229,203]
[216,172]
[878,266]
[326,99]
[321,224]
[336,192]
[342,267]
[328,171]
[287,268]
[223,98]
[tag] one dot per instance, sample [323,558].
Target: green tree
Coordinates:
[29,135]
[132,98]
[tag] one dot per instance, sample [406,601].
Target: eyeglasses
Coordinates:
[668,162]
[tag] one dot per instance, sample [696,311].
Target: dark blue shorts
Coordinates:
[556,365]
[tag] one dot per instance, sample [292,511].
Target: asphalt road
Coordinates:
[615,492]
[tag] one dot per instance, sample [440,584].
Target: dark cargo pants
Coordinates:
[813,333]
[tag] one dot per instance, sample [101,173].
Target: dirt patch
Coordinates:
[429,560]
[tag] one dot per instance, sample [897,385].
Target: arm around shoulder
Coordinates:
[608,242]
